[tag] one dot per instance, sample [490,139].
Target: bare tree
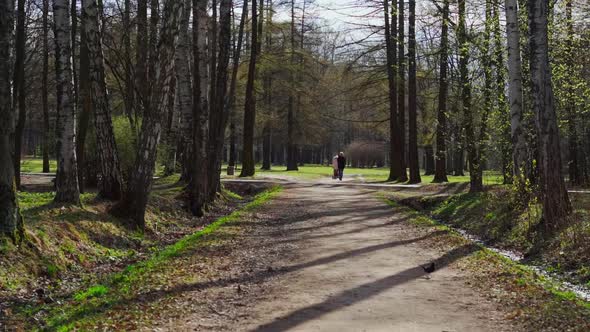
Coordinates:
[412,97]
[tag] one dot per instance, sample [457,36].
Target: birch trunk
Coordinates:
[11,222]
[66,183]
[135,201]
[291,146]
[199,186]
[110,185]
[412,97]
[515,94]
[554,196]
[440,173]
[141,69]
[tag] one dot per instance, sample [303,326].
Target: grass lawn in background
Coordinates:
[35,165]
[313,172]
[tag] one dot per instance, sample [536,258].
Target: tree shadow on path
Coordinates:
[363,292]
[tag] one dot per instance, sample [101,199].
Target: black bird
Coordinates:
[429,268]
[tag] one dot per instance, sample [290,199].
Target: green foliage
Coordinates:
[94,291]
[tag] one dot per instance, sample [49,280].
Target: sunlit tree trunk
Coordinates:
[11,222]
[401,104]
[572,118]
[412,98]
[134,202]
[267,131]
[110,185]
[515,93]
[554,196]
[66,183]
[440,173]
[248,167]
[129,83]
[86,109]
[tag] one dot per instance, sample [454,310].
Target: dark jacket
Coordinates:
[341,162]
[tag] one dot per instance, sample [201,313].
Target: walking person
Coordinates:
[341,165]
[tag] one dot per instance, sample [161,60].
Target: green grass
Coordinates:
[94,300]
[35,165]
[314,172]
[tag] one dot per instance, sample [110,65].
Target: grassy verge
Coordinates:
[85,306]
[531,299]
[494,217]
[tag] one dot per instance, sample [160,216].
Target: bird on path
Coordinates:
[428,268]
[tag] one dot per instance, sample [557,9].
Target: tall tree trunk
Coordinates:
[232,90]
[135,200]
[129,83]
[469,117]
[153,42]
[19,87]
[184,92]
[267,131]
[515,93]
[86,109]
[45,87]
[401,104]
[440,174]
[219,116]
[74,36]
[412,98]
[395,162]
[141,66]
[572,118]
[554,196]
[11,222]
[292,164]
[248,167]
[67,190]
[110,186]
[199,186]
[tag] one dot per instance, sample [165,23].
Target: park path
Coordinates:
[357,268]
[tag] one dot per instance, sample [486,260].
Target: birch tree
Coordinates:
[110,186]
[412,97]
[184,91]
[66,183]
[440,173]
[135,200]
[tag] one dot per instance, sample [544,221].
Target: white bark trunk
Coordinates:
[67,190]
[515,95]
[110,184]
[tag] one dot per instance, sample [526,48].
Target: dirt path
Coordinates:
[356,268]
